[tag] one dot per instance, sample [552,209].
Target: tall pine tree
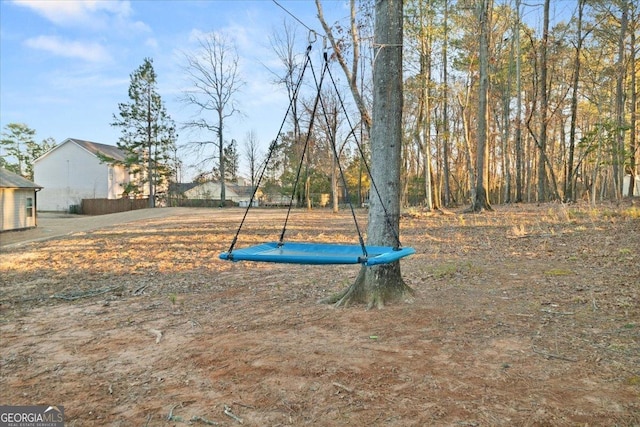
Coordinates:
[148,133]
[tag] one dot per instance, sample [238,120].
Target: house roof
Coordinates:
[92,147]
[95,148]
[13,180]
[242,190]
[181,187]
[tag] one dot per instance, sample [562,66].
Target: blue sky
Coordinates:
[65,65]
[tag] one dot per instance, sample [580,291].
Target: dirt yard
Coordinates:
[524,316]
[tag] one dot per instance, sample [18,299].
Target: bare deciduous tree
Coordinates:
[252,153]
[351,72]
[215,81]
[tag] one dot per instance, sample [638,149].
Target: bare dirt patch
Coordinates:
[528,315]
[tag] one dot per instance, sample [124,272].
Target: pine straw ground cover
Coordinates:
[527,315]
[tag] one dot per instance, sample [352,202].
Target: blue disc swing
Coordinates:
[308,252]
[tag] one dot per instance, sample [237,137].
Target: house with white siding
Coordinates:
[73,170]
[17,201]
[627,182]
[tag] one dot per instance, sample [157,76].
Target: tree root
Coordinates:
[375,287]
[335,298]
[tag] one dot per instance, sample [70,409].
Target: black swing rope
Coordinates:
[272,148]
[304,153]
[335,151]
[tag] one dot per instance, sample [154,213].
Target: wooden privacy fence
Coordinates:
[107,206]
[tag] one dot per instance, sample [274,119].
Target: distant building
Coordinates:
[627,182]
[73,171]
[240,194]
[17,201]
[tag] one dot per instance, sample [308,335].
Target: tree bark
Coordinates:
[445,109]
[634,112]
[152,197]
[518,133]
[619,152]
[424,116]
[544,105]
[382,284]
[223,192]
[481,200]
[569,179]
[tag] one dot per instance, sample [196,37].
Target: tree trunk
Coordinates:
[569,180]
[518,133]
[466,119]
[506,130]
[481,200]
[544,105]
[223,192]
[594,173]
[378,285]
[445,110]
[634,112]
[424,117]
[335,197]
[618,162]
[152,198]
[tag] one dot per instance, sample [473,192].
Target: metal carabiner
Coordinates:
[311,39]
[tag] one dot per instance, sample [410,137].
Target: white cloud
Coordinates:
[64,12]
[92,52]
[151,42]
[93,14]
[196,34]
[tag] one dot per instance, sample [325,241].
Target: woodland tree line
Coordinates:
[559,118]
